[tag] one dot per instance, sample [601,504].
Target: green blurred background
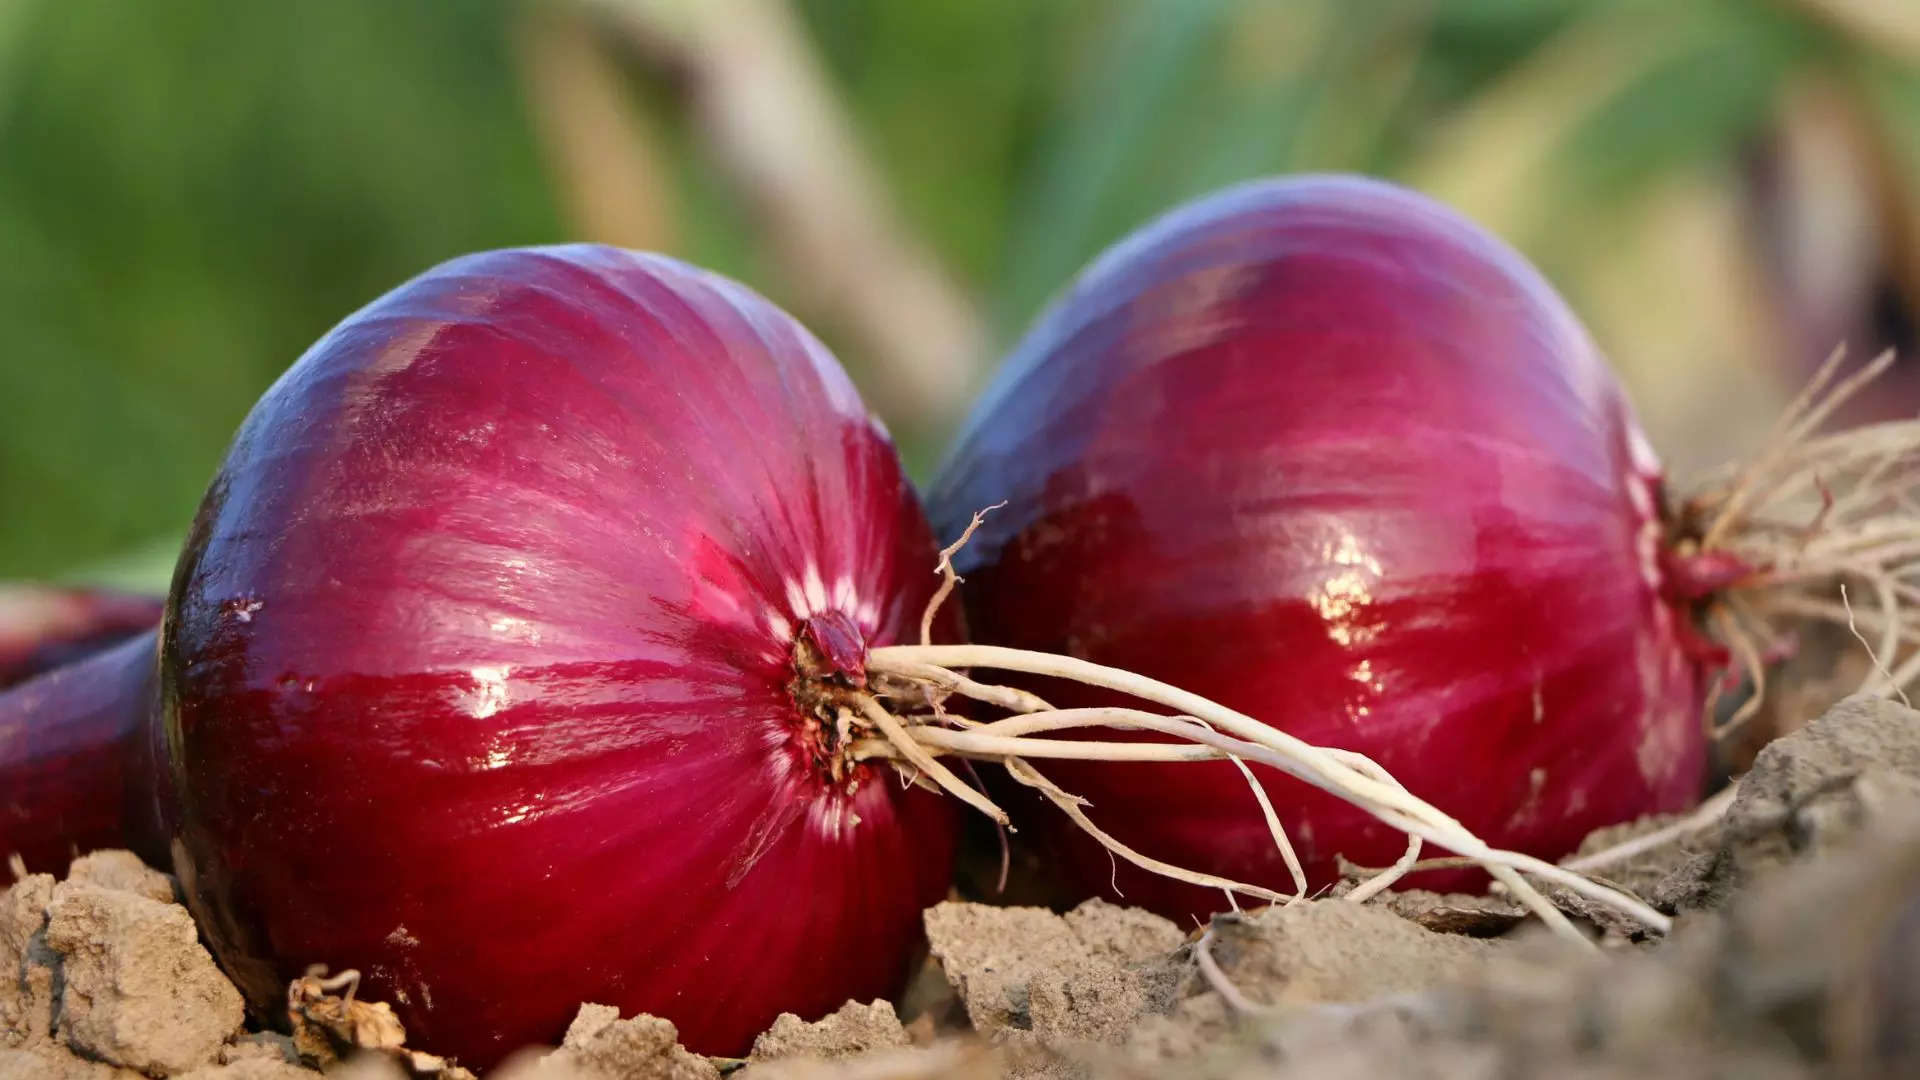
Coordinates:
[192,191]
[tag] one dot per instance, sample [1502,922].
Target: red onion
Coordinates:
[537,641]
[1326,452]
[493,665]
[45,626]
[76,771]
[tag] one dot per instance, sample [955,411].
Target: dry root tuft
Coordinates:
[1810,517]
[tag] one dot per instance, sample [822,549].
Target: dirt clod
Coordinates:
[250,1069]
[854,1029]
[1123,935]
[122,871]
[140,991]
[590,1021]
[1642,873]
[260,1046]
[1809,793]
[27,966]
[955,1060]
[49,1062]
[1310,959]
[1028,973]
[1453,913]
[1332,950]
[601,1046]
[255,1057]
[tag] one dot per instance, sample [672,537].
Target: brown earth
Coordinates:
[1796,953]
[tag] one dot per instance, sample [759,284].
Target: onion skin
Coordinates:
[85,780]
[76,693]
[476,670]
[43,627]
[1325,452]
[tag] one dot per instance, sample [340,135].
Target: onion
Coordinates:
[546,635]
[493,665]
[45,626]
[1329,454]
[79,784]
[76,771]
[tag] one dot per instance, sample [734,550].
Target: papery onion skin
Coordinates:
[1326,452]
[43,627]
[475,676]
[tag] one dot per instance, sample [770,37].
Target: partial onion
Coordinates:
[491,666]
[1331,455]
[76,762]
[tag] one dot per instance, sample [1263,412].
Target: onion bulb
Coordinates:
[1331,455]
[490,667]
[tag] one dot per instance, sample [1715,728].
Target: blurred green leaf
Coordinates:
[1192,97]
[948,97]
[1096,177]
[147,568]
[190,194]
[1707,101]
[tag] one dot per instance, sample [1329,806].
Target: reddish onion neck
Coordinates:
[1781,540]
[829,667]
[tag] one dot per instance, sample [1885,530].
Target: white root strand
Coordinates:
[1817,510]
[1006,697]
[1217,979]
[1794,438]
[1046,718]
[1330,771]
[1279,832]
[1702,816]
[1070,805]
[928,765]
[948,578]
[1382,881]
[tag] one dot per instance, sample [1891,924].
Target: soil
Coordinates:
[1795,953]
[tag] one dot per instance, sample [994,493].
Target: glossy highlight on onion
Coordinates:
[1327,453]
[488,666]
